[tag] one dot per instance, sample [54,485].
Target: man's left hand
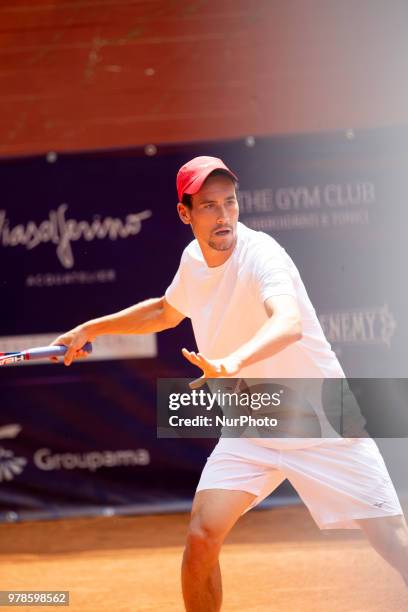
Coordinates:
[213,368]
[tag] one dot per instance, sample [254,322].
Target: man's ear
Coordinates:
[184,213]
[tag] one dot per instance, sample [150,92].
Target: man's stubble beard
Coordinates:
[223,247]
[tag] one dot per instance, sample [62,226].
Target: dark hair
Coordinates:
[187,198]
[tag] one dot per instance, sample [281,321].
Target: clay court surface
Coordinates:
[274,560]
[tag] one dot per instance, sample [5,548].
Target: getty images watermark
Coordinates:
[209,401]
[283,408]
[237,408]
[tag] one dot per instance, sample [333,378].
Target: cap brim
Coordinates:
[198,182]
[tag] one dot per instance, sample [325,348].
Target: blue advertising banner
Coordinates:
[83,235]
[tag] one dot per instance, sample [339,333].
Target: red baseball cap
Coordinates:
[192,175]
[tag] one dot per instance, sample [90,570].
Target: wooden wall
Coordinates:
[89,74]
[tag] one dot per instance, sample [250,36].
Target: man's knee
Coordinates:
[400,535]
[214,514]
[203,540]
[391,532]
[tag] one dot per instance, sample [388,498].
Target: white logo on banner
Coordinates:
[62,232]
[10,465]
[301,207]
[375,325]
[44,459]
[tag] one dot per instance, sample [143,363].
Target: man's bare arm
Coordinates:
[146,317]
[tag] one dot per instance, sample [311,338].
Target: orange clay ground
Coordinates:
[274,560]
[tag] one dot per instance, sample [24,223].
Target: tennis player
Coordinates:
[252,318]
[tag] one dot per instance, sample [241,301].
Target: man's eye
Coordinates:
[208,206]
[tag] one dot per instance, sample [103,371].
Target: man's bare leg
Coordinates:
[389,536]
[214,513]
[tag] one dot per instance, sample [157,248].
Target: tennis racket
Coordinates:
[33,354]
[197,383]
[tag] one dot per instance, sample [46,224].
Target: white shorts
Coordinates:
[338,480]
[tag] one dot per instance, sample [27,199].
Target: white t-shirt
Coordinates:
[226,308]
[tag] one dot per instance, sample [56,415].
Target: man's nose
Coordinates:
[222,214]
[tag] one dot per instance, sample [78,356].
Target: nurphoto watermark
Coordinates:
[282,408]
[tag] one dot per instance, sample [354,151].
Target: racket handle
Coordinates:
[197,383]
[43,352]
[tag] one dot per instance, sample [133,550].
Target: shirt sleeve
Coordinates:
[273,272]
[176,294]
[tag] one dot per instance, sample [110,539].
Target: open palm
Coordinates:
[212,368]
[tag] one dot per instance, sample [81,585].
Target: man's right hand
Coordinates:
[74,340]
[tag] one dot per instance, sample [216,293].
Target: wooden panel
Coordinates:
[87,74]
